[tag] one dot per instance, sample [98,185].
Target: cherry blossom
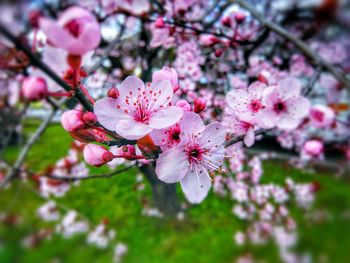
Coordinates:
[199,152]
[284,107]
[139,109]
[76,31]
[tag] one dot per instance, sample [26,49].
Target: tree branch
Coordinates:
[97,176]
[24,152]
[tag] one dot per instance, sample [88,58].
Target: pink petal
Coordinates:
[166,117]
[162,93]
[107,113]
[288,123]
[298,107]
[289,88]
[172,165]
[214,134]
[90,38]
[56,34]
[130,129]
[266,119]
[249,138]
[196,184]
[73,13]
[159,137]
[238,99]
[130,87]
[191,124]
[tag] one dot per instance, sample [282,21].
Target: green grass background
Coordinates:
[206,235]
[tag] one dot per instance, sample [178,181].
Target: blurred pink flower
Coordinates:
[321,116]
[284,106]
[76,31]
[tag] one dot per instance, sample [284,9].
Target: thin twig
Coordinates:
[97,176]
[24,152]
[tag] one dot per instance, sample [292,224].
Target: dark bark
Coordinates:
[164,195]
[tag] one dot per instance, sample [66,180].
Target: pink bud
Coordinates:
[208,40]
[72,120]
[226,21]
[313,148]
[89,118]
[34,88]
[240,17]
[167,73]
[218,53]
[199,105]
[113,93]
[264,77]
[96,155]
[128,150]
[159,23]
[184,105]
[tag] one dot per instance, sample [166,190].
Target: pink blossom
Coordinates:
[76,31]
[167,73]
[167,138]
[208,40]
[72,120]
[199,105]
[313,149]
[284,107]
[247,103]
[96,155]
[34,88]
[321,116]
[139,109]
[199,152]
[184,105]
[238,127]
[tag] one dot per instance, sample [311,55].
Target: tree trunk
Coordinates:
[164,195]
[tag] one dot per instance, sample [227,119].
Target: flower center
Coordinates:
[194,153]
[318,115]
[73,27]
[255,105]
[279,107]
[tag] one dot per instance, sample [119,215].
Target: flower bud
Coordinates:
[218,53]
[96,155]
[89,118]
[72,120]
[208,40]
[113,93]
[199,105]
[159,23]
[184,105]
[34,88]
[313,148]
[167,73]
[226,21]
[240,17]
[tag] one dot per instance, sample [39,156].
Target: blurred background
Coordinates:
[297,210]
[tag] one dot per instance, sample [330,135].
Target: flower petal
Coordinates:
[213,135]
[172,165]
[107,113]
[196,184]
[249,138]
[130,87]
[191,124]
[166,117]
[289,88]
[130,129]
[56,34]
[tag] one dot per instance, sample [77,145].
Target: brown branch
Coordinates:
[95,176]
[24,152]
